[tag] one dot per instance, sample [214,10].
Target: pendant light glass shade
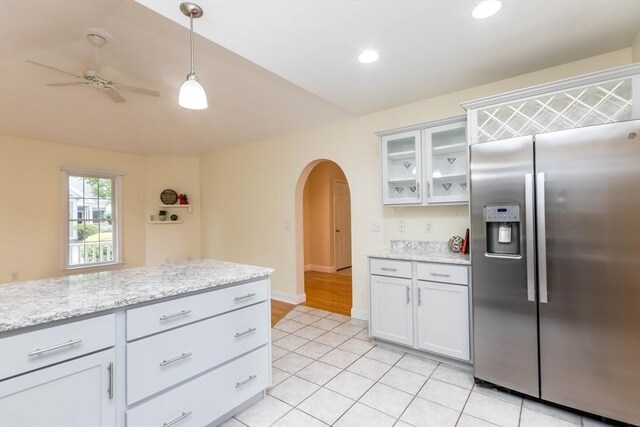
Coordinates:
[192,95]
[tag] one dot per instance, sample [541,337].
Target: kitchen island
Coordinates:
[184,343]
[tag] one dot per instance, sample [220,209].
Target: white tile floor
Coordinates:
[326,371]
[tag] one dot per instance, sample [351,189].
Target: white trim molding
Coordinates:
[289,298]
[358,313]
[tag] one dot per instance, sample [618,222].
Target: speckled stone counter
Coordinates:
[417,250]
[36,302]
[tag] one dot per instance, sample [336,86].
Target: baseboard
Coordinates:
[289,298]
[320,268]
[357,313]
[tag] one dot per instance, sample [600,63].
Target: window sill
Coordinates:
[93,268]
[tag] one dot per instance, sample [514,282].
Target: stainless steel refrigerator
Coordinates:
[555,250]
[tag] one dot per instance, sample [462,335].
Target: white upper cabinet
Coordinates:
[446,163]
[425,164]
[402,168]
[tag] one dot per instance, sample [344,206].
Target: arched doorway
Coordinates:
[326,238]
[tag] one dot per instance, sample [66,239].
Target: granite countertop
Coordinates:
[417,250]
[35,302]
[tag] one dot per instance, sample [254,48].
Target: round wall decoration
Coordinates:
[455,244]
[169,197]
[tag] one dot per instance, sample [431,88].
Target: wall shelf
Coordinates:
[176,206]
[164,222]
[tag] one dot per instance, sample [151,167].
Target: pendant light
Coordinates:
[192,94]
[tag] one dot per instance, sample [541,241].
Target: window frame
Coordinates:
[116,221]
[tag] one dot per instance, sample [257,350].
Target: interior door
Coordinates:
[590,326]
[505,321]
[342,222]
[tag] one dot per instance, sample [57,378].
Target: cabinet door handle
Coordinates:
[241,383]
[177,420]
[248,331]
[428,189]
[244,297]
[408,296]
[418,190]
[175,359]
[388,269]
[419,296]
[440,274]
[178,314]
[110,389]
[54,347]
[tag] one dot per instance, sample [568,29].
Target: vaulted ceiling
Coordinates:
[273,66]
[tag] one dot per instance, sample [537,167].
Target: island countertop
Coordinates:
[415,250]
[36,302]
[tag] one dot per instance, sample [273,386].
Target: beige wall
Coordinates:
[31,205]
[635,49]
[173,242]
[245,220]
[318,214]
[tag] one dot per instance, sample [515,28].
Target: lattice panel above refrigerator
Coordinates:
[601,103]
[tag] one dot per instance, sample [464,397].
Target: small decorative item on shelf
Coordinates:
[407,164]
[162,215]
[412,188]
[465,244]
[174,217]
[446,185]
[168,197]
[451,159]
[183,199]
[399,189]
[455,244]
[463,185]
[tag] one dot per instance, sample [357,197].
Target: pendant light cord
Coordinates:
[191,40]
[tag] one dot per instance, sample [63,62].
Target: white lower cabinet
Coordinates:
[422,314]
[391,309]
[443,319]
[74,393]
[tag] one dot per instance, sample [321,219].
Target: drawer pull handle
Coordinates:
[248,331]
[244,297]
[177,420]
[388,269]
[175,359]
[110,389]
[55,347]
[241,383]
[178,314]
[440,274]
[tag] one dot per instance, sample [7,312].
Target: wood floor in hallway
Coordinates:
[326,291]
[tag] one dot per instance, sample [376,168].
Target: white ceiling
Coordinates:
[274,66]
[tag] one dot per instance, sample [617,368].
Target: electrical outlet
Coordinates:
[14,276]
[287,225]
[428,227]
[376,227]
[402,227]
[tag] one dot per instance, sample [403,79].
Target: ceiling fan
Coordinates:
[100,78]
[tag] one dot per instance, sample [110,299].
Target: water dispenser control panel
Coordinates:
[502,214]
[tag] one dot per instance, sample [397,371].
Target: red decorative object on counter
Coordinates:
[183,199]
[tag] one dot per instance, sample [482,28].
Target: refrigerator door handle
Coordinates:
[530,236]
[542,238]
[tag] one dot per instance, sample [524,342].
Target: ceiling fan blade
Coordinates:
[139,90]
[108,74]
[54,69]
[66,84]
[115,96]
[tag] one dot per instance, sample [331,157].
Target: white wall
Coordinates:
[249,192]
[635,49]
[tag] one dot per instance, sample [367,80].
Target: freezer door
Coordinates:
[504,312]
[590,326]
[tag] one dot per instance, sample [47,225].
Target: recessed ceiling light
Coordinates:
[368,56]
[486,9]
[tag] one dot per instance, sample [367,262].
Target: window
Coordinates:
[92,225]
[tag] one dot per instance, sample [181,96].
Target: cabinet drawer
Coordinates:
[206,398]
[390,267]
[32,350]
[155,318]
[160,361]
[447,273]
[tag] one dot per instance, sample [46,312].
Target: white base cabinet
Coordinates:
[430,315]
[74,393]
[443,319]
[392,311]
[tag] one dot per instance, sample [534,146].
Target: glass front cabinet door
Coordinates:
[446,163]
[402,169]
